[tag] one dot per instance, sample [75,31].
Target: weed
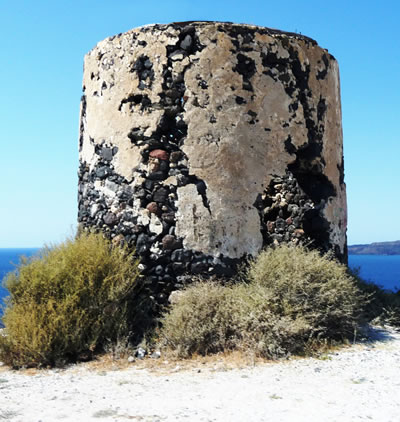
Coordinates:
[292,300]
[68,302]
[105,413]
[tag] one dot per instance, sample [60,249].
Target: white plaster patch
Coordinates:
[155,226]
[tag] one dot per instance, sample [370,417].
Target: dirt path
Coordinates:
[358,383]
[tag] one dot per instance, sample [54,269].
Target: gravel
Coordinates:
[356,383]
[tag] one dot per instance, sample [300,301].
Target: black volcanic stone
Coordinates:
[159,270]
[110,219]
[179,267]
[174,172]
[142,243]
[297,222]
[168,217]
[280,223]
[148,184]
[166,227]
[182,180]
[177,255]
[186,43]
[175,156]
[160,195]
[107,153]
[131,239]
[141,193]
[138,228]
[164,166]
[181,255]
[157,175]
[198,267]
[170,242]
[103,172]
[168,279]
[201,187]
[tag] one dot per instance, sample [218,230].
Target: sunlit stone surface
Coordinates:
[203,142]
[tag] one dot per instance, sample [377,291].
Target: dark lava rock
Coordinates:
[148,184]
[168,217]
[181,255]
[157,175]
[107,153]
[159,270]
[142,244]
[137,228]
[103,172]
[170,242]
[110,219]
[175,156]
[163,166]
[160,195]
[179,267]
[280,223]
[198,267]
[141,193]
[186,43]
[201,187]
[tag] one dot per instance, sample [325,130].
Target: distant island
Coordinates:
[378,248]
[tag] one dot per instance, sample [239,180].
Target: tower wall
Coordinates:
[203,142]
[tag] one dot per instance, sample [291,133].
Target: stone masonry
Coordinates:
[203,142]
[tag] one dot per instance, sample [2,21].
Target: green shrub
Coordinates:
[291,299]
[68,302]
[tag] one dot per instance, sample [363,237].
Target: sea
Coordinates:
[9,258]
[383,270]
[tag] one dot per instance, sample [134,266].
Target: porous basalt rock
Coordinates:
[202,142]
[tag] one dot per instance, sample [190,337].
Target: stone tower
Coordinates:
[203,142]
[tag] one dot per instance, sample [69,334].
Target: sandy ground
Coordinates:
[357,383]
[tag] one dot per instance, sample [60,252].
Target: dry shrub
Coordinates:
[302,283]
[383,306]
[201,320]
[68,302]
[292,298]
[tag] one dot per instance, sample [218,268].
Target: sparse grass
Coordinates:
[125,382]
[105,413]
[358,380]
[292,301]
[67,303]
[324,357]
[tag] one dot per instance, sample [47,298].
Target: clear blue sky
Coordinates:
[42,48]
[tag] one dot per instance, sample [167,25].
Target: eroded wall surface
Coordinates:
[202,142]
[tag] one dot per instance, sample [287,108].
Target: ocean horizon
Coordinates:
[383,270]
